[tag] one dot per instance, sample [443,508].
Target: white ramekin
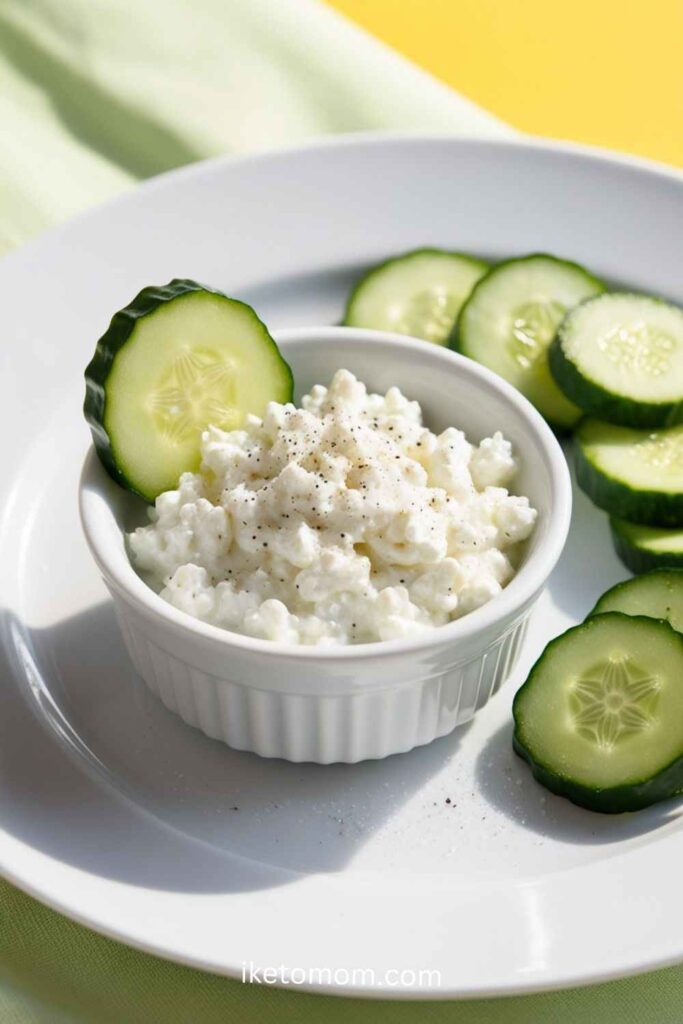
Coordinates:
[358,702]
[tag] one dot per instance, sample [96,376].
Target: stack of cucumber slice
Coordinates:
[600,717]
[607,363]
[620,357]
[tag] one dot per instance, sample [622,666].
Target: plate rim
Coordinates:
[350,140]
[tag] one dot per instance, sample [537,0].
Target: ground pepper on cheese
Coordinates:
[344,521]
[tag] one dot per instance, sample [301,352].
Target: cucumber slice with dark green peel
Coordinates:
[657,594]
[633,474]
[620,357]
[178,358]
[600,718]
[510,320]
[419,293]
[642,548]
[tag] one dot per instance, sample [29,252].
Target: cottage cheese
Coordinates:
[342,522]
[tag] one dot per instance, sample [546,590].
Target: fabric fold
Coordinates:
[98,94]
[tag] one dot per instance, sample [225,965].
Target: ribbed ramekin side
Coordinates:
[321,728]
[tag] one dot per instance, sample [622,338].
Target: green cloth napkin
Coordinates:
[98,94]
[94,96]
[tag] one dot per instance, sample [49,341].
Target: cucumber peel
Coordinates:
[642,548]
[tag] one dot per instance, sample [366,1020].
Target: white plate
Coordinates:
[115,812]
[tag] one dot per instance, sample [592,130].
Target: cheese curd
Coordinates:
[342,522]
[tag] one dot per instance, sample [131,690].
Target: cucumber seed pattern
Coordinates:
[662,450]
[638,348]
[197,389]
[429,315]
[613,700]
[533,328]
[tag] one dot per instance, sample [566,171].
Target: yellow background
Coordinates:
[604,72]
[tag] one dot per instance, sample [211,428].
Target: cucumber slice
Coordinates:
[178,358]
[620,357]
[418,293]
[600,718]
[634,474]
[510,319]
[647,547]
[657,594]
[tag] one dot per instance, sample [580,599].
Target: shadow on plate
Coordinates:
[589,565]
[286,819]
[294,300]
